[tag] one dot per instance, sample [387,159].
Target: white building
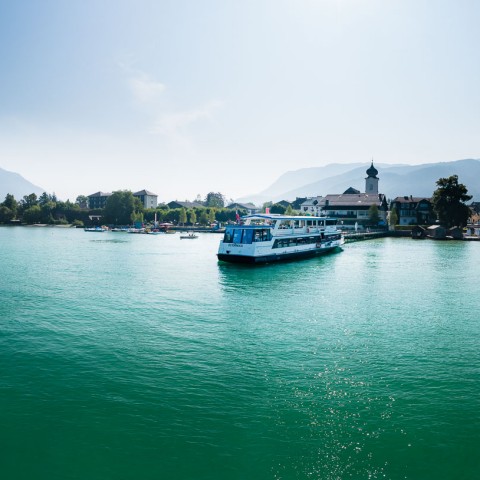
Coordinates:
[148,199]
[311,206]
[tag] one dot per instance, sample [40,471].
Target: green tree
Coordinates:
[29,201]
[5,214]
[215,199]
[211,215]
[32,214]
[82,201]
[182,218]
[203,220]
[11,203]
[171,215]
[44,198]
[289,211]
[373,215]
[192,216]
[277,208]
[136,217]
[266,205]
[47,210]
[121,206]
[393,218]
[449,202]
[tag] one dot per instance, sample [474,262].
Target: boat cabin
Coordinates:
[247,234]
[262,228]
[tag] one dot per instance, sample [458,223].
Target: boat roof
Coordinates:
[277,216]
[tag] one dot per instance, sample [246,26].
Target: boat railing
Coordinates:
[295,231]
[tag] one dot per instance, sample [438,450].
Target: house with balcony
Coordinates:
[413,210]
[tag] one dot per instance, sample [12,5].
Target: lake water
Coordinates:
[143,357]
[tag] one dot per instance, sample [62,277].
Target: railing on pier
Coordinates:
[359,236]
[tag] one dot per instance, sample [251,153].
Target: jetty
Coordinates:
[360,236]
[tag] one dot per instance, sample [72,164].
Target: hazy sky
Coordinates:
[184,97]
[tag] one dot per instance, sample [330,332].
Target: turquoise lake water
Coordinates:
[143,357]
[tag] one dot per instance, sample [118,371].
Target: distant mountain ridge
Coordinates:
[15,184]
[395,180]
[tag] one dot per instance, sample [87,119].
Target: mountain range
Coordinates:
[395,180]
[15,184]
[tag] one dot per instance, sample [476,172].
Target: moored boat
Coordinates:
[96,229]
[266,238]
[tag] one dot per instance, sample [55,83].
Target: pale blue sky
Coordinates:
[186,97]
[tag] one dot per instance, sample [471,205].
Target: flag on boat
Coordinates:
[267,210]
[237,216]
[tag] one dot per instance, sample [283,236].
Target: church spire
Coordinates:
[371,182]
[372,171]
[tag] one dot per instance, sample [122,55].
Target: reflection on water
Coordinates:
[273,275]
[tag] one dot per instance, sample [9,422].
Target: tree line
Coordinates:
[45,208]
[121,208]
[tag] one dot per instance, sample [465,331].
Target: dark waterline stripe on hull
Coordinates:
[273,258]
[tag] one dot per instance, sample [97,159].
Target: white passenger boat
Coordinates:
[263,238]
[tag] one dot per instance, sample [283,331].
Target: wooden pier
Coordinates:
[357,237]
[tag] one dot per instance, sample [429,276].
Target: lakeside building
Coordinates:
[352,207]
[97,200]
[186,205]
[312,206]
[148,199]
[249,207]
[413,210]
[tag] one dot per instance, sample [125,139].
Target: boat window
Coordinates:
[228,237]
[237,235]
[332,222]
[281,243]
[321,223]
[309,223]
[262,235]
[248,236]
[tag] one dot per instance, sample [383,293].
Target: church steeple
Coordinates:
[371,182]
[372,171]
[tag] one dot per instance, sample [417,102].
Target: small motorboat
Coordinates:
[189,235]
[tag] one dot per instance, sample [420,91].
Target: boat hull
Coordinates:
[273,258]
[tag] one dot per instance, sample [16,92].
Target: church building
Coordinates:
[353,207]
